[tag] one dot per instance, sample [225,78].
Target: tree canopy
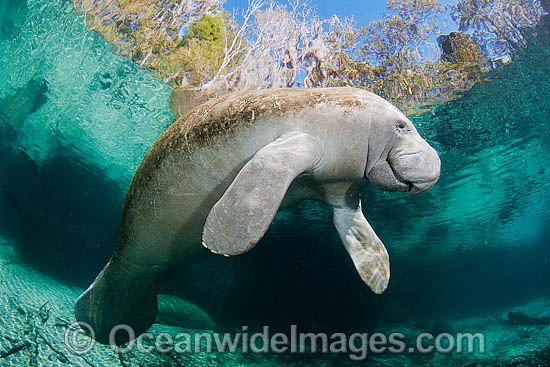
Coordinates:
[403,56]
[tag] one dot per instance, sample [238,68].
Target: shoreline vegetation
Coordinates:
[199,49]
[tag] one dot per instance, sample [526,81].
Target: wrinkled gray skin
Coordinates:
[219,175]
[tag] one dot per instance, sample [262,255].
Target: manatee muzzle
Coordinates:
[419,170]
[411,173]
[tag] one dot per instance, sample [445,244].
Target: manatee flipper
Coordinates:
[176,311]
[243,214]
[363,245]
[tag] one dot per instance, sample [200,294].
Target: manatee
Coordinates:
[218,176]
[176,311]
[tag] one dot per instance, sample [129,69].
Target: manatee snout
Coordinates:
[420,170]
[411,171]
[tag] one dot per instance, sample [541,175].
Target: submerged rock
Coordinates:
[12,14]
[15,108]
[520,318]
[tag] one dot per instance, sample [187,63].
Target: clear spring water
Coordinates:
[76,120]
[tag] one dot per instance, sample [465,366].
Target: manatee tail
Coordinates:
[122,294]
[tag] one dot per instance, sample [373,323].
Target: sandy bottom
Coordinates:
[36,311]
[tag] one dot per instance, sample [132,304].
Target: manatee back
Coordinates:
[194,161]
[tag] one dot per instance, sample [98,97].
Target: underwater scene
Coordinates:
[280,158]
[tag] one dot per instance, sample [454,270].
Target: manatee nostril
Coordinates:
[410,185]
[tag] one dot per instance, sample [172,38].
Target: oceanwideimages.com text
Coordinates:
[356,345]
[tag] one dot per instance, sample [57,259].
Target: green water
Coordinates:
[76,120]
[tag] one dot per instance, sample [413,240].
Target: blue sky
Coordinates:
[363,11]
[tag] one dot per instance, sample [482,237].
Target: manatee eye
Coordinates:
[401,126]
